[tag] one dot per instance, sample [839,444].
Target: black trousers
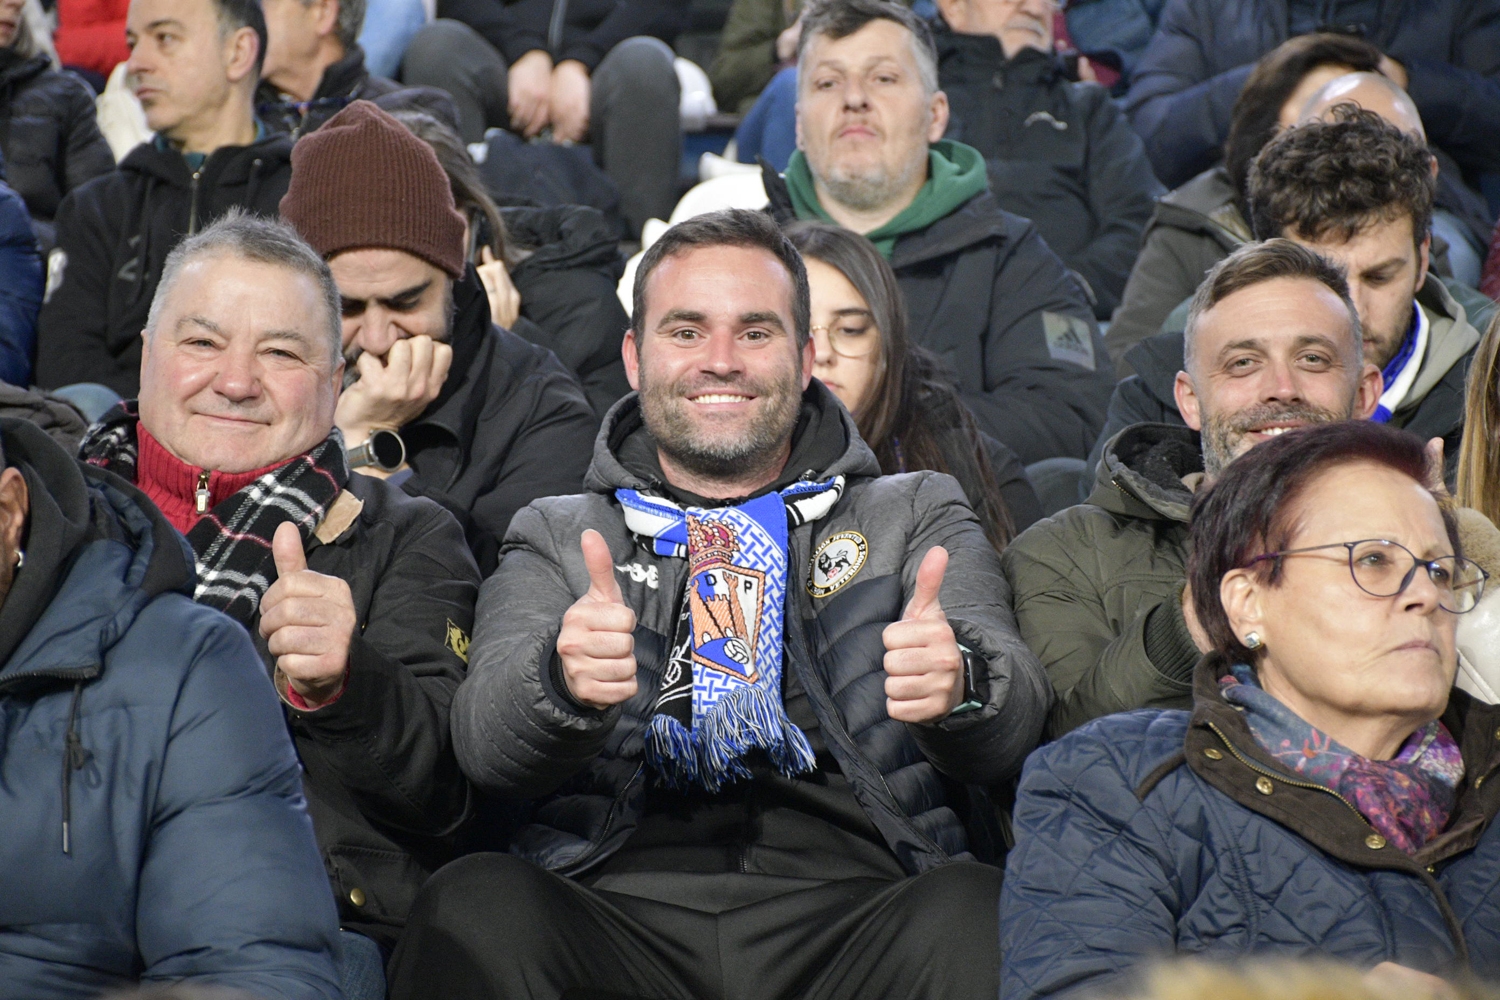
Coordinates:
[497,927]
[635,127]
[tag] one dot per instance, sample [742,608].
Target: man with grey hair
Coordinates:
[315,67]
[982,288]
[1273,343]
[359,597]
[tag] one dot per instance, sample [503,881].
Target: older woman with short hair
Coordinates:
[1330,792]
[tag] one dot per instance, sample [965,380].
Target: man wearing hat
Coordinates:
[437,398]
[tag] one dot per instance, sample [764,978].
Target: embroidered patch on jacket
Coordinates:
[457,640]
[1068,339]
[836,562]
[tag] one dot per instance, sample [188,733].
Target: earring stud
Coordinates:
[1252,640]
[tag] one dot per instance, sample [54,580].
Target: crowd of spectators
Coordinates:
[1024,511]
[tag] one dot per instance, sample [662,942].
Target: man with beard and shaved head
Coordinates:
[1273,343]
[742,680]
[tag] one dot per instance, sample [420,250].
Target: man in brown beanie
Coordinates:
[437,398]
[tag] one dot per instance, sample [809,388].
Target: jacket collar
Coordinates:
[1451,338]
[1141,470]
[1205,204]
[1220,749]
[225,165]
[345,77]
[455,412]
[976,220]
[14,70]
[608,472]
[977,58]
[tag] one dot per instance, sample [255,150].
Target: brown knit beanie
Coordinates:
[363,180]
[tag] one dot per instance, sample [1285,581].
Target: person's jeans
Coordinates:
[634,122]
[390,25]
[1466,260]
[769,128]
[92,399]
[362,971]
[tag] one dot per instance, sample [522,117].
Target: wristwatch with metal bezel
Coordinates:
[383,450]
[976,682]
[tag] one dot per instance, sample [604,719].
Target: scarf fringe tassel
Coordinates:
[710,756]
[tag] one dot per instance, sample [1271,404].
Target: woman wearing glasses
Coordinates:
[1330,793]
[905,406]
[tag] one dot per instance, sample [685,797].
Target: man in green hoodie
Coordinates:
[982,288]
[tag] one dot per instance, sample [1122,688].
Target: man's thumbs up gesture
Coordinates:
[924,669]
[597,644]
[308,620]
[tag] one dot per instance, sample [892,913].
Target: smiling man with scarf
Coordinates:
[743,679]
[359,597]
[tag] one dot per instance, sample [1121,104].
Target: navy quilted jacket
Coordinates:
[1155,831]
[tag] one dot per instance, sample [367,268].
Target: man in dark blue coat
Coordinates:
[152,824]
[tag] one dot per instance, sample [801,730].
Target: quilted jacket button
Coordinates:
[357,896]
[1264,786]
[1213,754]
[1374,841]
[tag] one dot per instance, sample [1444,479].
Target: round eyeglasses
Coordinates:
[850,342]
[1383,568]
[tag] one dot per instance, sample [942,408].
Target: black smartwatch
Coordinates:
[383,450]
[976,682]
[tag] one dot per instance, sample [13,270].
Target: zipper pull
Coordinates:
[201,494]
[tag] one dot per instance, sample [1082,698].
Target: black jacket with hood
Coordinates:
[1433,408]
[519,734]
[49,139]
[1059,153]
[1014,328]
[567,277]
[113,236]
[511,425]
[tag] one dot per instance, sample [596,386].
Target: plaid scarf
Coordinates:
[1407,798]
[232,541]
[721,692]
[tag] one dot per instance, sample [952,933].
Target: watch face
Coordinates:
[387,449]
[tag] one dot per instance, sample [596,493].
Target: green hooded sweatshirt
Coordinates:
[955,173]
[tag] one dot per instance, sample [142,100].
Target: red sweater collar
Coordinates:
[173,485]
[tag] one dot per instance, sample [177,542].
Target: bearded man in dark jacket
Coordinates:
[744,680]
[1059,152]
[473,416]
[194,65]
[982,289]
[359,597]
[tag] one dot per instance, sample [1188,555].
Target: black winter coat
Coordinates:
[569,304]
[587,30]
[1188,79]
[518,733]
[48,136]
[1059,153]
[114,234]
[511,425]
[342,83]
[384,791]
[985,294]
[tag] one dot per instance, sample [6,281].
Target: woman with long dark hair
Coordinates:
[904,403]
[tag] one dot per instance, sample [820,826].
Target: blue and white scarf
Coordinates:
[721,690]
[1400,373]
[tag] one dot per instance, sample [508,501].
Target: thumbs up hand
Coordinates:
[597,642]
[308,621]
[924,668]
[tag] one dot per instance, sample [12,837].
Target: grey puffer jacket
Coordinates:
[519,735]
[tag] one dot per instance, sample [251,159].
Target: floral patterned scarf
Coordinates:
[1408,798]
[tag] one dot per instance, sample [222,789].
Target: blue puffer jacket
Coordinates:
[152,825]
[1150,832]
[20,289]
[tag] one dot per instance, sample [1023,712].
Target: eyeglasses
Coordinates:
[851,342]
[1380,570]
